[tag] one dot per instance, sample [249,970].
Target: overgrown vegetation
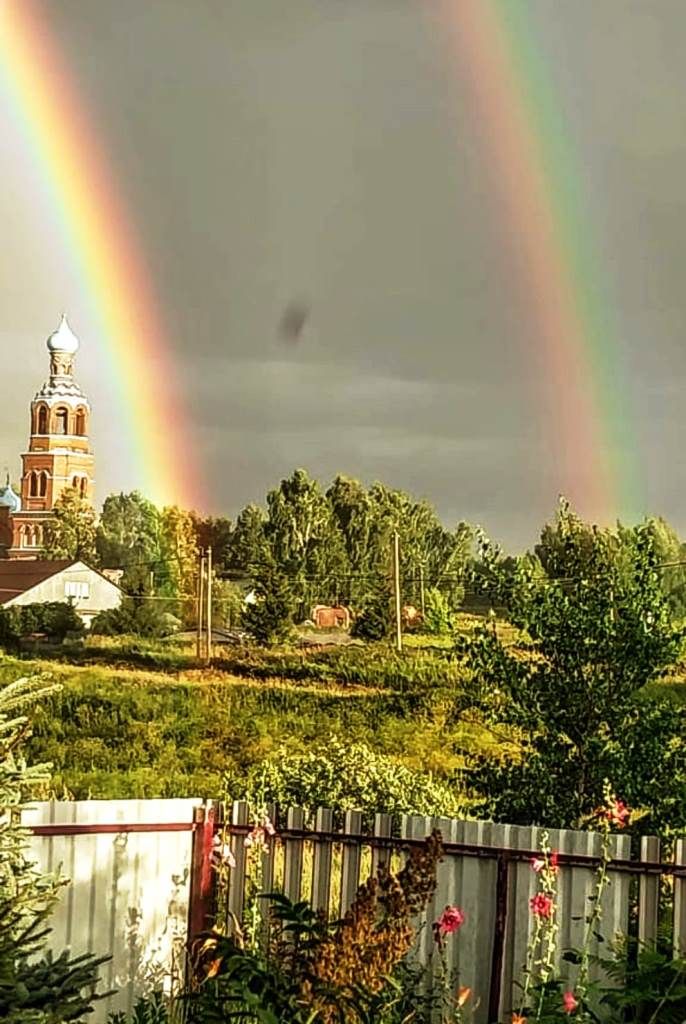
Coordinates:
[34,988]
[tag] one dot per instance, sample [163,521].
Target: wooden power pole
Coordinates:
[208,653]
[396,592]
[200,604]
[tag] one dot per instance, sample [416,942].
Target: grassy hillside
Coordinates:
[121,728]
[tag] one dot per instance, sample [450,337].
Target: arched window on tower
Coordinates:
[43,489]
[33,485]
[84,486]
[42,424]
[75,483]
[61,420]
[22,537]
[81,422]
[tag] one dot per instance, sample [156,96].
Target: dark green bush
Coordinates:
[54,619]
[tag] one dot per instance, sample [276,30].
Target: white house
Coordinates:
[36,582]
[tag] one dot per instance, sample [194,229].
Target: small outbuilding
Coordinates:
[331,617]
[38,581]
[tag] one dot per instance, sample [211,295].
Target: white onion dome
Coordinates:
[8,498]
[63,339]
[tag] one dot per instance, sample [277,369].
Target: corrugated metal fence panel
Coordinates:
[470,883]
[128,892]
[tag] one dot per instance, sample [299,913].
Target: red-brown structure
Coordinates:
[59,454]
[327,617]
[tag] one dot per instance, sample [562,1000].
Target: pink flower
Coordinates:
[222,853]
[618,813]
[569,1003]
[539,863]
[542,905]
[450,920]
[268,827]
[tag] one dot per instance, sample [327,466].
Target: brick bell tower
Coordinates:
[59,453]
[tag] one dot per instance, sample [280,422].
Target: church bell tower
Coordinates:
[59,453]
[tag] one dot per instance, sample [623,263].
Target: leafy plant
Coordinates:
[55,619]
[312,971]
[35,988]
[345,777]
[152,1009]
[439,618]
[596,638]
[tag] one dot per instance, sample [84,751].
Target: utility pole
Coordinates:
[208,653]
[421,590]
[200,594]
[396,592]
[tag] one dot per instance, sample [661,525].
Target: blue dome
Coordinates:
[10,500]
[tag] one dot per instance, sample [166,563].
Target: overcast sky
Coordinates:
[277,150]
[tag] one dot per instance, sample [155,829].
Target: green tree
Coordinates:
[305,541]
[71,531]
[598,635]
[270,618]
[374,621]
[351,509]
[177,571]
[128,538]
[248,546]
[670,551]
[34,989]
[216,533]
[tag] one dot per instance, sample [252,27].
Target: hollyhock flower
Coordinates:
[268,827]
[618,813]
[450,920]
[518,1019]
[463,994]
[542,905]
[222,853]
[569,1003]
[539,863]
[257,839]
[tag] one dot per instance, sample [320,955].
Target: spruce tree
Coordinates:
[35,988]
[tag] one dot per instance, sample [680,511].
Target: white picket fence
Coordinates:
[136,865]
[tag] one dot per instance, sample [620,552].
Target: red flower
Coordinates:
[618,813]
[542,905]
[450,920]
[553,862]
[569,1003]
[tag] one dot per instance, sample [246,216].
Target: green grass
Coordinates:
[142,720]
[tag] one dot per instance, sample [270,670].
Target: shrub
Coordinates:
[34,988]
[439,618]
[346,777]
[374,622]
[56,619]
[135,618]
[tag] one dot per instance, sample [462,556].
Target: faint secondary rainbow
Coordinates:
[102,242]
[539,190]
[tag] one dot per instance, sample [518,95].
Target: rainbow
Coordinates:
[537,185]
[102,242]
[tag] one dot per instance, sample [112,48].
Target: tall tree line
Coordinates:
[331,545]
